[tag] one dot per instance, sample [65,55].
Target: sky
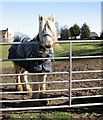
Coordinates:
[102,16]
[23,16]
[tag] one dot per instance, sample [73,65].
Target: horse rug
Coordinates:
[31,51]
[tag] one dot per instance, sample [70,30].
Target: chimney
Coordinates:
[7,33]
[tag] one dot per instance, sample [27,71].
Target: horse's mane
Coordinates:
[36,38]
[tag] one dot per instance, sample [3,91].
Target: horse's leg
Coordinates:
[42,78]
[26,86]
[18,78]
[42,87]
[35,88]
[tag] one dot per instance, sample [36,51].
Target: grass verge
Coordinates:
[29,116]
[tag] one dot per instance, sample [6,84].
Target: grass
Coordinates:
[79,49]
[4,53]
[42,116]
[7,64]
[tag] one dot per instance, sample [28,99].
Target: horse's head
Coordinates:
[47,31]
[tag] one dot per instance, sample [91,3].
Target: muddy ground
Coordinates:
[78,65]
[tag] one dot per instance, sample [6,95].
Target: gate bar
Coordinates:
[78,97]
[44,99]
[19,92]
[82,57]
[53,58]
[6,75]
[66,81]
[87,80]
[24,59]
[74,89]
[63,41]
[50,107]
[59,98]
[94,71]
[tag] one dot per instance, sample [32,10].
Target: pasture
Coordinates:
[79,49]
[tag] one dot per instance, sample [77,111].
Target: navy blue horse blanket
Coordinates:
[30,51]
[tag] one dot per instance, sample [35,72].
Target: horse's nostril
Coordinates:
[48,46]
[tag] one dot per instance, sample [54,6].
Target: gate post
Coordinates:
[70,82]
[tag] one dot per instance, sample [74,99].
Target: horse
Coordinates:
[46,37]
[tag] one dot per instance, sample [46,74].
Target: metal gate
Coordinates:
[70,98]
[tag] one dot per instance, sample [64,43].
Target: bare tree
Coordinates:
[20,34]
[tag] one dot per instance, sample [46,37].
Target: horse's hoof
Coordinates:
[45,102]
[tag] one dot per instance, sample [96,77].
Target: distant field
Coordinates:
[79,49]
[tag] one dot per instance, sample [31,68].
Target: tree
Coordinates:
[85,31]
[65,33]
[20,34]
[57,27]
[75,31]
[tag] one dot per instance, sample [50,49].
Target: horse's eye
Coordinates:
[48,26]
[43,31]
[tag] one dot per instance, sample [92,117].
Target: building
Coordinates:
[93,35]
[5,36]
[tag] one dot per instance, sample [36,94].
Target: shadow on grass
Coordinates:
[87,52]
[89,44]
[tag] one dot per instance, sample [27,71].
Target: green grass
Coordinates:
[79,49]
[7,64]
[4,53]
[42,116]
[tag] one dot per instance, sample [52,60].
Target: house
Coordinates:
[93,35]
[5,36]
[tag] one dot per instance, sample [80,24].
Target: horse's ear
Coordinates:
[53,18]
[40,18]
